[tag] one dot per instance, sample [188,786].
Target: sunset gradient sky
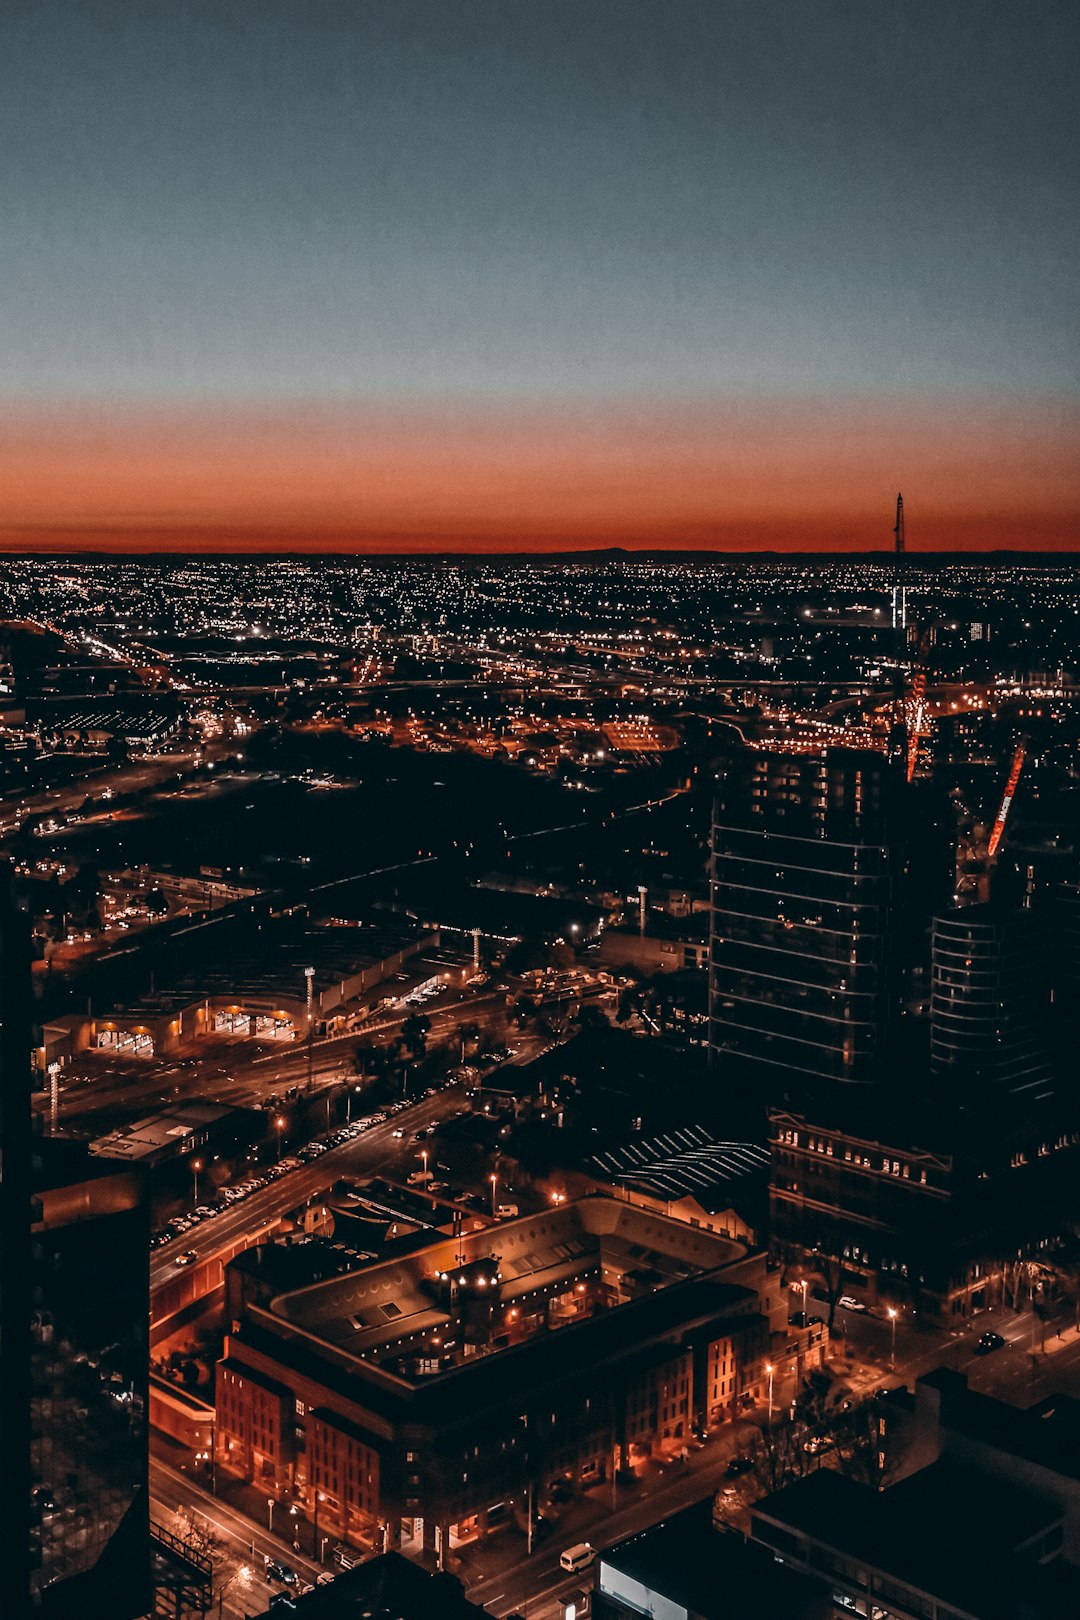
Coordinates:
[502,274]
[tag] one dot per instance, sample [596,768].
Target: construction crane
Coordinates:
[1007,797]
[916,720]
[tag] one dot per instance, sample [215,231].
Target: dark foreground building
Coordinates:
[825,868]
[982,1524]
[89,1361]
[687,1569]
[74,1312]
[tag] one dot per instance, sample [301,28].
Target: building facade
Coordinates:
[430,1398]
[803,889]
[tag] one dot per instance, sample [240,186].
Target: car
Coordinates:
[276,1571]
[848,1302]
[988,1343]
[188,1258]
[398,1132]
[819,1443]
[738,1466]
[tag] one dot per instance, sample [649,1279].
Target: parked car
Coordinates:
[848,1302]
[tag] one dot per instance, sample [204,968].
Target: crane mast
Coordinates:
[1007,797]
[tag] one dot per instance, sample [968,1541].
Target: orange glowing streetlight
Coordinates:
[493,1178]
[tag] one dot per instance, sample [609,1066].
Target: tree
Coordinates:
[467,1033]
[196,1537]
[829,1271]
[524,1008]
[589,1016]
[414,1032]
[366,1057]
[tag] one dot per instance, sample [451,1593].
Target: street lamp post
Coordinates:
[270,1514]
[309,975]
[494,1183]
[892,1313]
[315,1553]
[770,1369]
[293,1514]
[279,1126]
[196,1166]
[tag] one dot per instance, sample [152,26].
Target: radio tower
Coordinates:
[899,595]
[898,741]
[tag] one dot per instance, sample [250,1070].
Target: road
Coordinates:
[531,1585]
[101,1088]
[1012,1373]
[237,1545]
[249,1216]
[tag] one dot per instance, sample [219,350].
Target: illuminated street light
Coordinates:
[196,1166]
[494,1183]
[279,1126]
[770,1369]
[892,1313]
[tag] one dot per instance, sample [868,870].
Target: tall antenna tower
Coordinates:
[899,741]
[899,596]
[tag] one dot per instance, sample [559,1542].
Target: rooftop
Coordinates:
[712,1573]
[947,1532]
[682,1162]
[168,1129]
[518,1285]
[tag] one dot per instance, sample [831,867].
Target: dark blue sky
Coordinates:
[538,202]
[537,196]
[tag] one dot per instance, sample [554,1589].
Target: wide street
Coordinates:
[239,1549]
[242,1074]
[361,1155]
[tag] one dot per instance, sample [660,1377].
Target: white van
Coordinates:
[577,1558]
[507,1212]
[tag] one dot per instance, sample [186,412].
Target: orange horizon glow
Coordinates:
[736,475]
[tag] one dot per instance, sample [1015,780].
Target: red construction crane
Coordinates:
[1007,797]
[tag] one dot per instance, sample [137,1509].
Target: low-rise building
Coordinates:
[427,1396]
[686,1569]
